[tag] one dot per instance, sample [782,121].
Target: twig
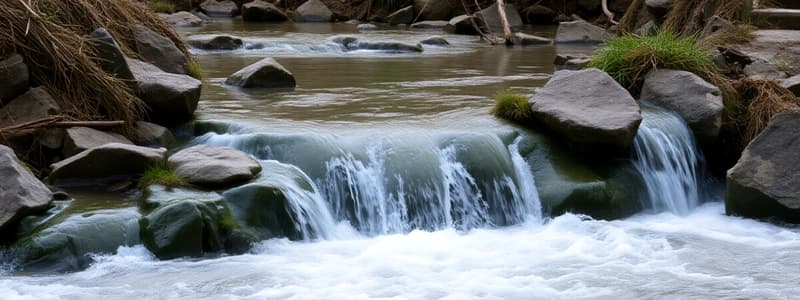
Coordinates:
[607,12]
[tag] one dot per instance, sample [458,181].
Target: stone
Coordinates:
[716,24]
[462,25]
[580,32]
[170,98]
[185,228]
[13,77]
[435,9]
[764,183]
[648,28]
[435,41]
[109,55]
[539,14]
[658,8]
[778,17]
[569,62]
[792,84]
[430,25]
[215,42]
[490,18]
[588,5]
[698,102]
[313,11]
[78,139]
[21,193]
[35,104]
[588,107]
[391,47]
[225,8]
[183,19]
[159,50]
[404,15]
[527,39]
[261,11]
[104,164]
[153,135]
[212,166]
[266,73]
[760,69]
[362,27]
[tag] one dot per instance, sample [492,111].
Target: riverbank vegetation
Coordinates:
[161,174]
[512,106]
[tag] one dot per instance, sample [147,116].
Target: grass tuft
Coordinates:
[512,106]
[195,70]
[161,6]
[161,174]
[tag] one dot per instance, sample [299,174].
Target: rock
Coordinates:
[362,27]
[171,98]
[66,246]
[352,22]
[490,18]
[313,11]
[33,105]
[658,8]
[20,192]
[716,24]
[155,196]
[763,70]
[462,25]
[183,19]
[765,182]
[212,166]
[261,11]
[539,14]
[225,8]
[527,39]
[52,139]
[435,9]
[404,15]
[186,227]
[104,163]
[266,73]
[580,32]
[588,5]
[435,41]
[159,50]
[698,102]
[78,139]
[153,135]
[215,42]
[588,107]
[649,28]
[348,42]
[792,84]
[109,55]
[430,25]
[13,77]
[393,47]
[569,62]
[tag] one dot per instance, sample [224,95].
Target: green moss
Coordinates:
[193,69]
[161,6]
[512,106]
[161,174]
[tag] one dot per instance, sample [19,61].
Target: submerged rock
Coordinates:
[183,19]
[765,183]
[580,32]
[435,41]
[313,11]
[212,166]
[263,211]
[364,27]
[490,18]
[78,139]
[694,99]
[104,163]
[35,104]
[20,192]
[588,107]
[171,98]
[109,55]
[13,77]
[261,11]
[388,47]
[215,42]
[404,15]
[224,8]
[159,50]
[266,73]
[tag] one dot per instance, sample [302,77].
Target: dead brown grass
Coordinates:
[760,101]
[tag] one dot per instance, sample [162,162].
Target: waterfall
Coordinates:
[666,157]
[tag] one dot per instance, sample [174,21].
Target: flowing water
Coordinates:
[413,191]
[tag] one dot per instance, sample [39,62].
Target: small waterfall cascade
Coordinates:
[667,158]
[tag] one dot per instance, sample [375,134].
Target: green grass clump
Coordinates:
[161,174]
[512,106]
[193,69]
[161,6]
[629,58]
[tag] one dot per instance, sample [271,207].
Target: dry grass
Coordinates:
[683,17]
[760,101]
[161,6]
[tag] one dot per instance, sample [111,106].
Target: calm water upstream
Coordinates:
[425,194]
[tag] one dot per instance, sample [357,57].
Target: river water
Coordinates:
[421,194]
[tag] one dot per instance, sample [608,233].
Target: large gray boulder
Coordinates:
[694,99]
[159,50]
[266,73]
[109,55]
[213,166]
[462,25]
[792,84]
[153,135]
[580,32]
[404,15]
[588,107]
[216,8]
[490,18]
[170,98]
[35,104]
[13,77]
[658,7]
[183,19]
[262,11]
[78,139]
[765,183]
[20,192]
[435,9]
[215,42]
[313,11]
[105,163]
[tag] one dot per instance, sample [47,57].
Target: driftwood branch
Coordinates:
[57,121]
[608,13]
[501,9]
